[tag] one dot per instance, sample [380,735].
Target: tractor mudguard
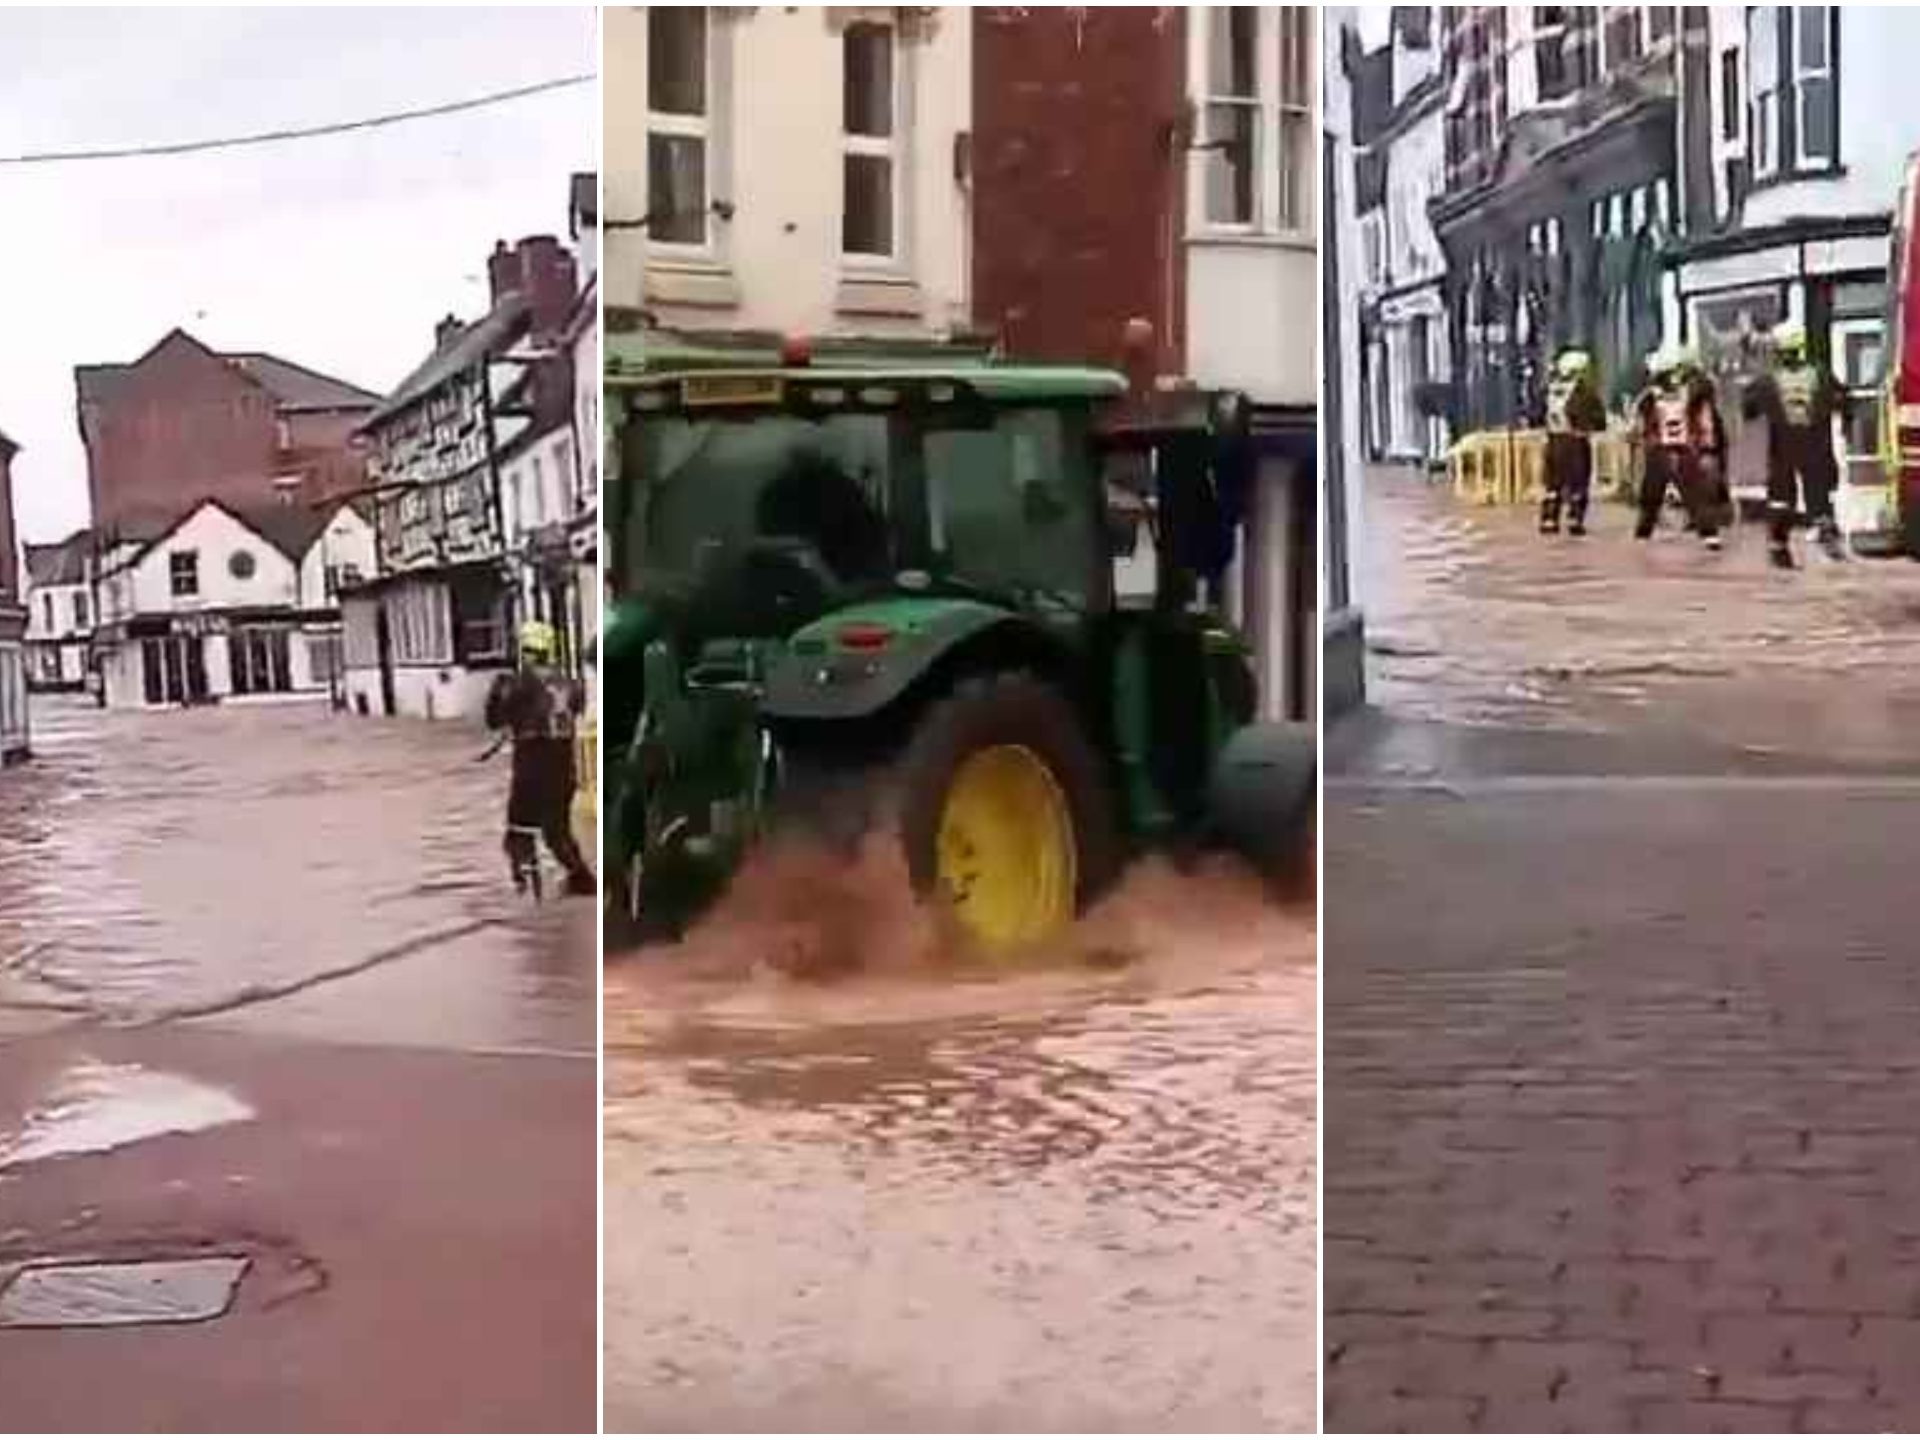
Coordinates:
[1264,789]
[859,659]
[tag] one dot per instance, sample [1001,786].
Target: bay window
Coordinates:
[1253,70]
[1232,117]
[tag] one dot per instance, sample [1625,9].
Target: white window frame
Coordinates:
[174,592]
[1763,91]
[692,127]
[1265,77]
[1801,75]
[891,147]
[1294,111]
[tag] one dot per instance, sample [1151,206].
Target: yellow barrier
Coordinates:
[1508,467]
[587,746]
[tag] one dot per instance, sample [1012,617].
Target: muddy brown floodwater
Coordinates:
[1474,620]
[1073,1194]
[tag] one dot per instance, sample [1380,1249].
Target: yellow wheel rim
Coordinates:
[1008,860]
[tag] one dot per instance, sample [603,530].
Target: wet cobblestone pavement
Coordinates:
[1620,1012]
[1060,1199]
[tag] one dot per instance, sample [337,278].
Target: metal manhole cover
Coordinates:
[139,1292]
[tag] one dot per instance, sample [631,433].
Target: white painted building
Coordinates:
[59,601]
[1403,269]
[1344,631]
[225,606]
[741,196]
[1808,121]
[1251,288]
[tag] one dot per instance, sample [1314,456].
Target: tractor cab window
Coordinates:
[719,488]
[1010,508]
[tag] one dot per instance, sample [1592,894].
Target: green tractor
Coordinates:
[865,594]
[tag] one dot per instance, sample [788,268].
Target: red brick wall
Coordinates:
[324,451]
[183,424]
[179,426]
[1077,182]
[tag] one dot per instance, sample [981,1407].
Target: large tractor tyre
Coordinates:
[1004,811]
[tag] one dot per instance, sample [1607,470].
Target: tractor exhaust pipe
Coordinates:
[1261,803]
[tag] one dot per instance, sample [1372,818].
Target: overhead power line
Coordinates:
[301,132]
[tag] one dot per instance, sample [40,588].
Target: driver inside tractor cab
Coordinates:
[816,501]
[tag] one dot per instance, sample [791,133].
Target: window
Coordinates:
[1730,94]
[417,621]
[1232,115]
[1813,83]
[183,573]
[870,130]
[1623,35]
[678,124]
[80,607]
[1009,508]
[1763,70]
[1551,70]
[46,610]
[241,564]
[258,658]
[537,511]
[1790,70]
[1296,117]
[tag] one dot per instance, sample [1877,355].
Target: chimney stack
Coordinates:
[444,332]
[540,269]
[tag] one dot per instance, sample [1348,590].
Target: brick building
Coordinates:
[1158,164]
[13,621]
[185,423]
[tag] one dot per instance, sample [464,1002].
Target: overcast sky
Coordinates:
[339,253]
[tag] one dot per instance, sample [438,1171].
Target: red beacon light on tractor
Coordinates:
[796,352]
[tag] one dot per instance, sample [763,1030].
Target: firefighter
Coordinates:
[1574,411]
[538,705]
[1682,440]
[1710,440]
[1799,402]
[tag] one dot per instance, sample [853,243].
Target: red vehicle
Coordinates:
[1900,387]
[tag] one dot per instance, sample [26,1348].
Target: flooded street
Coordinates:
[1080,1195]
[1620,1009]
[267,999]
[1474,619]
[173,864]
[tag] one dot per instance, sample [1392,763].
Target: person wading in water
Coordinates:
[538,705]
